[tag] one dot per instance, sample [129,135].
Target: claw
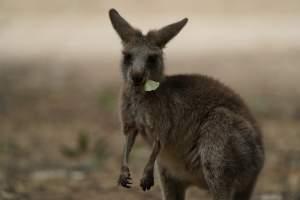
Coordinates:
[147,182]
[125,179]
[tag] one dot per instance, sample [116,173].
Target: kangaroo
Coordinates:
[201,132]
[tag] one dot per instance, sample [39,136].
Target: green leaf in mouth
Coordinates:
[151,85]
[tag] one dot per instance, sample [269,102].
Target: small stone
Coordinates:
[77,175]
[271,196]
[49,174]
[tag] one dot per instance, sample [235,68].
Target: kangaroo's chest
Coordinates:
[143,121]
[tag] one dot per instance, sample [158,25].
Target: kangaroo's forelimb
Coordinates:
[125,179]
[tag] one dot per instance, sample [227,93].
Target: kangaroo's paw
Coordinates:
[125,179]
[147,181]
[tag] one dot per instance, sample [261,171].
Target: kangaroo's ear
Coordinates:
[123,28]
[162,36]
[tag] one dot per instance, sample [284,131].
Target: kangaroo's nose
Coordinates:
[138,79]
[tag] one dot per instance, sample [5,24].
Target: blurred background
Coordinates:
[59,82]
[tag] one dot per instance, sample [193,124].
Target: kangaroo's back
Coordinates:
[203,93]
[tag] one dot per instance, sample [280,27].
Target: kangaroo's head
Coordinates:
[143,54]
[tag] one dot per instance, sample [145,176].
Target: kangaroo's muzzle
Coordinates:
[138,75]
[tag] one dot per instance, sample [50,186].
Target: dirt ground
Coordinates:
[60,135]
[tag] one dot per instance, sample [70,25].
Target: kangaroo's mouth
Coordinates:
[138,79]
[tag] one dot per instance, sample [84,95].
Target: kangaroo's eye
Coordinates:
[127,58]
[152,60]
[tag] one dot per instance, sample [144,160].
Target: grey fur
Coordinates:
[201,132]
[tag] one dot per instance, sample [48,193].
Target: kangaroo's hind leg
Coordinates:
[230,155]
[172,188]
